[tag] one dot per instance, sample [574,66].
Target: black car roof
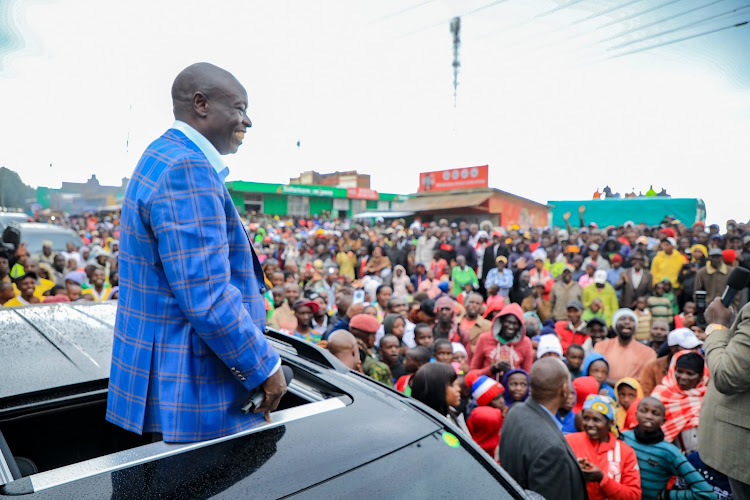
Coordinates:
[54,345]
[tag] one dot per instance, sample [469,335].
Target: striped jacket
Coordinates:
[188,344]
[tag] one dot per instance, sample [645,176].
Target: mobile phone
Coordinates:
[358,297]
[700,301]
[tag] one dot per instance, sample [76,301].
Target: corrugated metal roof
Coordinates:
[442,202]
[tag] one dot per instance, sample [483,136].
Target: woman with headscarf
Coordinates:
[516,384]
[399,282]
[681,392]
[597,366]
[610,467]
[629,393]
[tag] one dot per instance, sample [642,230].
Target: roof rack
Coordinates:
[309,351]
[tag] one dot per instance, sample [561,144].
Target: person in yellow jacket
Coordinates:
[26,284]
[667,263]
[41,285]
[602,290]
[99,289]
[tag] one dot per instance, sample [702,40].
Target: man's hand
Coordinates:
[717,313]
[581,209]
[499,367]
[566,216]
[274,387]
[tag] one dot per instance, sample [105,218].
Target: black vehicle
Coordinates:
[336,433]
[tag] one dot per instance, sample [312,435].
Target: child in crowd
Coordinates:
[460,358]
[516,384]
[660,306]
[659,461]
[443,351]
[423,335]
[594,310]
[415,358]
[396,324]
[629,394]
[688,312]
[597,366]
[574,358]
[549,346]
[565,414]
[389,353]
[486,417]
[642,312]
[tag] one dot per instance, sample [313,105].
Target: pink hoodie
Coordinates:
[517,352]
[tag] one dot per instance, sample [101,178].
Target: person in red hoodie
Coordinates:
[505,346]
[610,467]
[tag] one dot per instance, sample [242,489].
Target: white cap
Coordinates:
[547,344]
[600,277]
[683,337]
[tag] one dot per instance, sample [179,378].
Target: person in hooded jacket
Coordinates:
[505,346]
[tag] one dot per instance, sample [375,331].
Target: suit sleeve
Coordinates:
[189,224]
[729,359]
[629,486]
[547,471]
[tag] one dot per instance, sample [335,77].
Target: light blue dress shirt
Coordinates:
[209,151]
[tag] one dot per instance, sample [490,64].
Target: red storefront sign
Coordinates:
[456,178]
[361,193]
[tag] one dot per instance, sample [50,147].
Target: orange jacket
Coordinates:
[617,460]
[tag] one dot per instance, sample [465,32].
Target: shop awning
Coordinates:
[385,215]
[443,201]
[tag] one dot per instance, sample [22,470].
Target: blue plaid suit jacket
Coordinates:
[189,344]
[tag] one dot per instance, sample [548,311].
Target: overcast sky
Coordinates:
[368,85]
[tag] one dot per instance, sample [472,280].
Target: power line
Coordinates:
[467,13]
[637,14]
[665,19]
[679,28]
[670,42]
[607,11]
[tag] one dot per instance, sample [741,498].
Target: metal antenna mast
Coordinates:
[455,30]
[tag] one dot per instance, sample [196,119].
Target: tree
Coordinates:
[13,192]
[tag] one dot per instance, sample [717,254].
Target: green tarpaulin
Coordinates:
[614,212]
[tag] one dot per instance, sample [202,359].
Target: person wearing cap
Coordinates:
[493,250]
[538,274]
[485,416]
[549,345]
[602,290]
[364,327]
[634,282]
[667,263]
[614,273]
[679,339]
[573,330]
[500,276]
[595,257]
[609,465]
[627,357]
[26,284]
[563,291]
[712,278]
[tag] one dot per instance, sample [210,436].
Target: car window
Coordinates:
[419,470]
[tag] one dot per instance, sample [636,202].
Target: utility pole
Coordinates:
[455,30]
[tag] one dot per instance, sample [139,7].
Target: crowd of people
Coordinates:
[457,315]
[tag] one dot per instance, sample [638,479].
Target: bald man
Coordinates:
[189,344]
[343,345]
[532,447]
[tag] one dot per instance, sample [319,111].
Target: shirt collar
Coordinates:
[554,418]
[208,149]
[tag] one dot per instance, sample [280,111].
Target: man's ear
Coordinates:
[200,104]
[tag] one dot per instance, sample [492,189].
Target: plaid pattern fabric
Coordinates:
[188,343]
[683,408]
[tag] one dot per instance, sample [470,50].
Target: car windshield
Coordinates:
[33,239]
